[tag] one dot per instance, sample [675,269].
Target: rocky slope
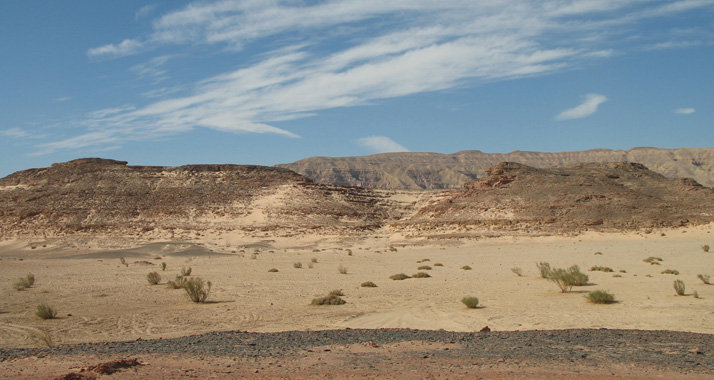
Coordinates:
[96,195]
[445,171]
[601,196]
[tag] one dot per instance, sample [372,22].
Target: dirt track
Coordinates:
[387,353]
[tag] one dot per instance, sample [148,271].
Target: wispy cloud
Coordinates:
[62,99]
[685,111]
[381,144]
[144,11]
[297,58]
[14,132]
[588,107]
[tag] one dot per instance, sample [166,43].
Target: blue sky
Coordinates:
[268,81]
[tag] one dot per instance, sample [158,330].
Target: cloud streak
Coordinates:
[589,106]
[381,144]
[295,59]
[685,111]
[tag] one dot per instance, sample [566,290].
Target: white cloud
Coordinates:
[144,11]
[586,108]
[306,57]
[15,132]
[381,144]
[685,111]
[62,99]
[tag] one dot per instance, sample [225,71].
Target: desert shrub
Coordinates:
[695,294]
[421,275]
[399,276]
[705,248]
[328,300]
[21,284]
[544,269]
[424,267]
[392,249]
[297,265]
[623,271]
[342,269]
[567,278]
[617,275]
[30,279]
[197,289]
[45,312]
[123,262]
[598,268]
[336,292]
[671,271]
[153,278]
[178,283]
[310,265]
[163,266]
[679,287]
[653,260]
[313,260]
[185,272]
[518,271]
[438,264]
[470,302]
[273,270]
[704,278]
[598,253]
[424,260]
[600,296]
[466,267]
[368,284]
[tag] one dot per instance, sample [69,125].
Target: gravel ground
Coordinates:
[680,352]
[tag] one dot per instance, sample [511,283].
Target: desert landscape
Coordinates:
[91,234]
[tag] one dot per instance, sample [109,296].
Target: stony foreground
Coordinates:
[384,353]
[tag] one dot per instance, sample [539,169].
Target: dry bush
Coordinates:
[313,260]
[273,270]
[653,260]
[185,272]
[342,269]
[328,300]
[679,287]
[438,264]
[368,284]
[336,292]
[21,284]
[705,248]
[671,271]
[399,276]
[297,265]
[544,269]
[470,302]
[600,297]
[30,279]
[153,278]
[177,283]
[518,271]
[466,267]
[163,266]
[424,267]
[598,268]
[421,275]
[45,312]
[424,260]
[704,278]
[197,289]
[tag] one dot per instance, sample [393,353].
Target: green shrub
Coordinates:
[466,267]
[45,312]
[567,278]
[421,275]
[544,269]
[368,284]
[400,276]
[598,268]
[177,283]
[424,267]
[600,296]
[470,302]
[153,278]
[704,278]
[518,271]
[671,271]
[679,287]
[197,289]
[185,272]
[328,300]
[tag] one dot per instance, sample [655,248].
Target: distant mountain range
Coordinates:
[448,171]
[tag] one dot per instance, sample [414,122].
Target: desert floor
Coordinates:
[99,299]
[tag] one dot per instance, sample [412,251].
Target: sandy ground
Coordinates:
[99,299]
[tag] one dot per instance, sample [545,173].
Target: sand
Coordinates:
[99,299]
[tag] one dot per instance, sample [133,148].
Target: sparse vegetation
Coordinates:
[600,297]
[176,283]
[153,278]
[544,269]
[518,271]
[163,266]
[466,267]
[424,260]
[336,292]
[399,276]
[197,289]
[392,249]
[671,271]
[424,267]
[313,260]
[438,264]
[185,272]
[598,268]
[273,270]
[368,284]
[705,248]
[328,300]
[297,265]
[567,278]
[342,269]
[421,275]
[21,284]
[704,278]
[30,279]
[470,302]
[45,312]
[123,262]
[653,260]
[679,287]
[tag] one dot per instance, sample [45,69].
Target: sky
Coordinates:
[268,81]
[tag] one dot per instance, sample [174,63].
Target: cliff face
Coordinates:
[107,195]
[448,171]
[601,196]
